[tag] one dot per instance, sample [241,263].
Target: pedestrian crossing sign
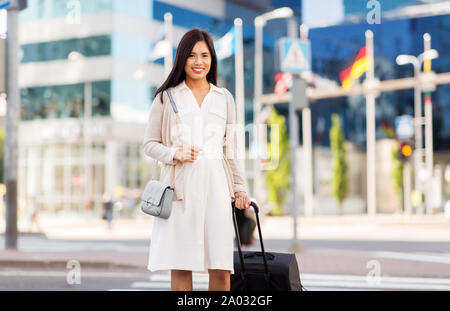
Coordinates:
[4,4]
[295,55]
[404,126]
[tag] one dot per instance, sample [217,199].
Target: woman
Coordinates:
[199,148]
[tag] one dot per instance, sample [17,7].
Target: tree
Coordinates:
[277,180]
[397,173]
[339,182]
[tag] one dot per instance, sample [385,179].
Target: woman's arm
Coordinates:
[230,147]
[152,145]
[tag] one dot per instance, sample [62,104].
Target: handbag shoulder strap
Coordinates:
[175,109]
[172,102]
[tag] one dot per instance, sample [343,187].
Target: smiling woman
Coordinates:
[198,235]
[197,67]
[195,51]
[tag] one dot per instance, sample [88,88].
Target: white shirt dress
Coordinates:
[198,235]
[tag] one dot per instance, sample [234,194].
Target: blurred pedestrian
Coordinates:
[198,235]
[33,207]
[108,209]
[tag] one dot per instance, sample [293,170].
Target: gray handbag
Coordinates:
[157,197]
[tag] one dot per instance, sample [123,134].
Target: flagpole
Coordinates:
[168,59]
[258,183]
[308,197]
[428,131]
[240,97]
[370,84]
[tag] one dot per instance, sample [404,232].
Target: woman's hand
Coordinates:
[187,153]
[241,200]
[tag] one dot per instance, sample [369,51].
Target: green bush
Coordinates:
[278,179]
[397,173]
[339,182]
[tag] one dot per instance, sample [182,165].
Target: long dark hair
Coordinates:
[177,75]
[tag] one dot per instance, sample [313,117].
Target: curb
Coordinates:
[62,264]
[27,234]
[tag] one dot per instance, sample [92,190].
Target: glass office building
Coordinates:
[335,48]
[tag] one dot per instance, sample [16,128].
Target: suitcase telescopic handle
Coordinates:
[241,259]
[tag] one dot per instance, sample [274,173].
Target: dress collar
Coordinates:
[183,86]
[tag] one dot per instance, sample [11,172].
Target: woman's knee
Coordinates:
[181,280]
[181,273]
[220,274]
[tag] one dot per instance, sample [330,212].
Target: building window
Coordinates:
[42,9]
[64,101]
[189,18]
[57,50]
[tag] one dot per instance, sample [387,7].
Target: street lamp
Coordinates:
[417,62]
[284,12]
[75,56]
[410,59]
[260,21]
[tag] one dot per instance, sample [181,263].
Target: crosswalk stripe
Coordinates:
[326,282]
[382,279]
[164,285]
[436,258]
[196,277]
[331,277]
[93,274]
[158,281]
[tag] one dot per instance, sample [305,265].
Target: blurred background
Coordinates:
[75,54]
[89,69]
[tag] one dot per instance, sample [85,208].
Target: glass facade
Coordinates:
[334,49]
[64,101]
[60,50]
[189,19]
[358,8]
[134,170]
[43,9]
[54,174]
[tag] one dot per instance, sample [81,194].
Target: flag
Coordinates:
[283,82]
[225,46]
[353,72]
[4,4]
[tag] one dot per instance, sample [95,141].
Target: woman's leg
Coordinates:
[219,280]
[181,280]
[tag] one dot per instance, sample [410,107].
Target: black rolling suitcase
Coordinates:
[261,271]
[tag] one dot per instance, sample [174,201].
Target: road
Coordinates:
[324,265]
[140,280]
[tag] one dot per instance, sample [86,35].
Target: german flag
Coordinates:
[355,70]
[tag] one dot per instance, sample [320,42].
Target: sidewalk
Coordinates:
[89,241]
[393,227]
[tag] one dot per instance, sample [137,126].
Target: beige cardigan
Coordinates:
[159,146]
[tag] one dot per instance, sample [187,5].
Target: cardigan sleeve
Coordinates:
[153,146]
[231,146]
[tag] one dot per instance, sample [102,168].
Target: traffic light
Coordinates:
[405,150]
